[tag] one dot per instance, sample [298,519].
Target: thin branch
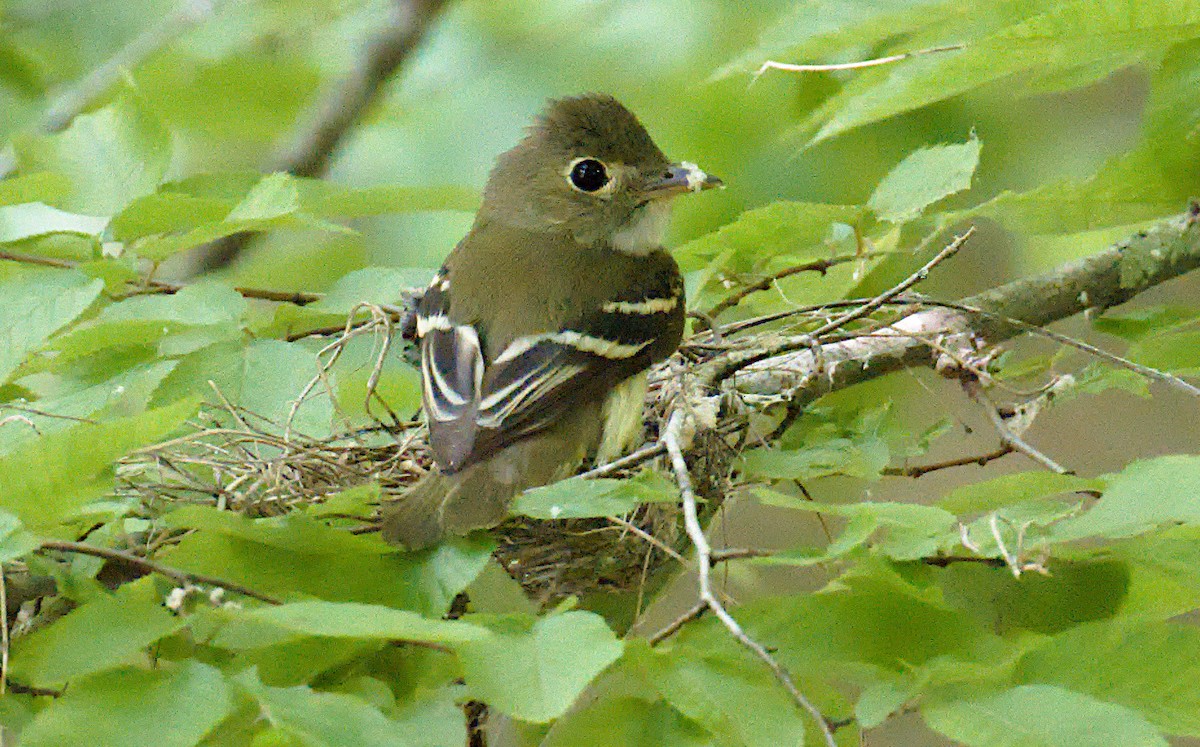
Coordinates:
[942,561]
[30,259]
[696,611]
[859,65]
[150,566]
[737,553]
[4,642]
[644,454]
[313,145]
[723,368]
[1014,439]
[924,469]
[695,531]
[1163,377]
[1102,280]
[821,265]
[150,287]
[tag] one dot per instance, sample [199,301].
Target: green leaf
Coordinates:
[293,531]
[1067,45]
[1124,661]
[810,31]
[264,376]
[872,620]
[14,540]
[795,230]
[323,719]
[623,721]
[554,660]
[865,458]
[1146,494]
[263,88]
[1007,490]
[112,156]
[1176,352]
[576,497]
[1173,112]
[166,212]
[272,203]
[349,620]
[431,719]
[901,531]
[48,479]
[34,304]
[102,634]
[176,703]
[121,396]
[1164,569]
[728,693]
[1040,716]
[40,186]
[1136,324]
[1073,592]
[378,285]
[425,581]
[923,178]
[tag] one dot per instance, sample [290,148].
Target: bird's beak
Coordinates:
[682,177]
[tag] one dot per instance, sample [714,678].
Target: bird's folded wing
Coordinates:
[474,409]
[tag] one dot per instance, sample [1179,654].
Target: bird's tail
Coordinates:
[415,521]
[443,504]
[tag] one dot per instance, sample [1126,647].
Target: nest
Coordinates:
[237,461]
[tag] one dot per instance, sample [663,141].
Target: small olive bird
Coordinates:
[537,331]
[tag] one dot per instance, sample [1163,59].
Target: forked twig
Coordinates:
[695,532]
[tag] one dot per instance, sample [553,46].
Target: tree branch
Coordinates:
[151,566]
[1100,281]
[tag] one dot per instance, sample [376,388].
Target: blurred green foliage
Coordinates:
[1056,126]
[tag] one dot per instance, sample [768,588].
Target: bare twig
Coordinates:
[695,612]
[924,469]
[734,362]
[820,265]
[858,65]
[737,553]
[147,286]
[695,531]
[1101,280]
[644,454]
[1012,438]
[4,643]
[150,566]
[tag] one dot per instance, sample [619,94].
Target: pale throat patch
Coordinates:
[646,232]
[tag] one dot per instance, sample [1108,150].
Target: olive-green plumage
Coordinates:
[545,316]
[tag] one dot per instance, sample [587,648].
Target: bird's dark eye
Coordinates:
[588,175]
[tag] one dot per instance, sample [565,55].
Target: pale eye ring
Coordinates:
[587,175]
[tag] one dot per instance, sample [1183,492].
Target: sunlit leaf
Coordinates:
[1040,716]
[555,658]
[577,498]
[177,702]
[923,178]
[102,634]
[36,303]
[112,156]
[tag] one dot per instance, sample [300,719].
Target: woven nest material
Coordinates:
[250,469]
